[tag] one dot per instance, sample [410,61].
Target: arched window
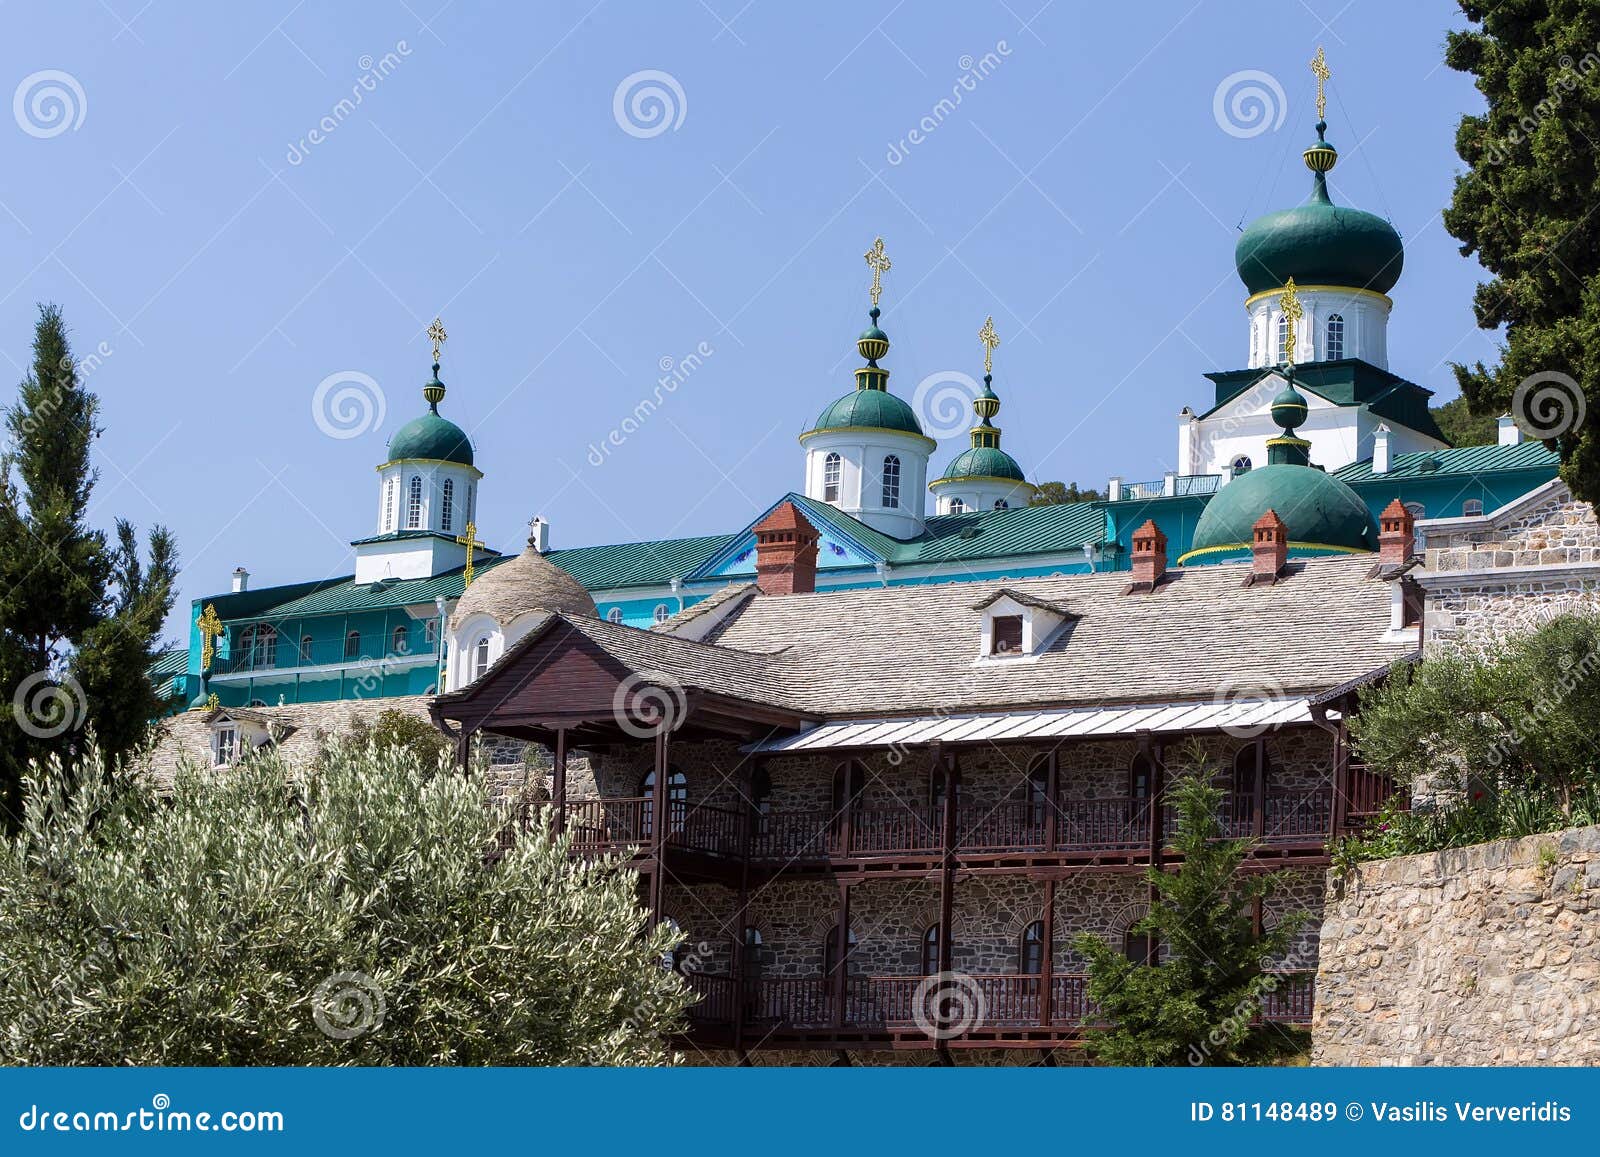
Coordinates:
[662,613]
[830,951]
[305,648]
[1283,339]
[669,959]
[388,505]
[260,645]
[936,795]
[1138,947]
[1335,348]
[891,481]
[352,645]
[1001,504]
[1030,949]
[677,801]
[1141,778]
[1419,541]
[614,615]
[472,501]
[447,503]
[957,506]
[830,478]
[930,950]
[414,503]
[1035,791]
[1241,465]
[480,657]
[1241,803]
[430,631]
[752,954]
[1472,507]
[761,800]
[400,643]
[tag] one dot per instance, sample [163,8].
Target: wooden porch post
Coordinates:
[463,748]
[947,880]
[741,994]
[1047,955]
[1158,834]
[1051,792]
[558,786]
[658,824]
[1259,827]
[841,957]
[1339,811]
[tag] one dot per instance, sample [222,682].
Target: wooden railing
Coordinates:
[1082,826]
[809,1004]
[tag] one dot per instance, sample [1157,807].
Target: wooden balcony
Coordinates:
[996,1011]
[1118,832]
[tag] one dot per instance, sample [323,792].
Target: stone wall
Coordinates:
[1486,955]
[1508,572]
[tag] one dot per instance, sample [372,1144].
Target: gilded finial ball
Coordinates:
[1321,157]
[1289,408]
[873,342]
[987,404]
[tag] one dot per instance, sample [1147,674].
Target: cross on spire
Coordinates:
[471,542]
[1319,69]
[990,340]
[210,627]
[437,335]
[1293,311]
[878,262]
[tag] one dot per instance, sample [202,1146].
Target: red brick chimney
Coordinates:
[786,553]
[1270,547]
[1149,557]
[1396,534]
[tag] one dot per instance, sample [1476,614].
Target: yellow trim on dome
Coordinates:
[931,444]
[1351,289]
[1011,482]
[426,462]
[1292,545]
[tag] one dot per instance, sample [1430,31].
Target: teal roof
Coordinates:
[1318,510]
[1457,460]
[347,595]
[401,535]
[1347,382]
[626,564]
[431,437]
[172,661]
[984,462]
[871,409]
[1319,243]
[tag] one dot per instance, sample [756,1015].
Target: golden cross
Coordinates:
[878,262]
[1292,313]
[438,336]
[990,340]
[1319,69]
[212,702]
[210,627]
[470,541]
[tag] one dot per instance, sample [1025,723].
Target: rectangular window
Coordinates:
[1007,635]
[227,746]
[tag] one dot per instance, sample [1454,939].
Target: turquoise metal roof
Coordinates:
[1457,460]
[349,596]
[633,564]
[173,661]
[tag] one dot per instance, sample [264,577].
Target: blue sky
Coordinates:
[220,265]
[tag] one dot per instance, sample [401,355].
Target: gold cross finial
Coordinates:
[210,627]
[990,340]
[1319,69]
[1292,313]
[470,541]
[437,335]
[878,262]
[212,702]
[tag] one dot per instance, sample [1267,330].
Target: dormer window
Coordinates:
[1006,636]
[227,748]
[1018,626]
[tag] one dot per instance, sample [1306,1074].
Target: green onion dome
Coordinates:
[871,408]
[431,436]
[1289,408]
[1323,515]
[1319,243]
[984,462]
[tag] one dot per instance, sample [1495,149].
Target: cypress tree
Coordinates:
[79,616]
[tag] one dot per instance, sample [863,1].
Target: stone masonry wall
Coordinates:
[1486,955]
[1496,593]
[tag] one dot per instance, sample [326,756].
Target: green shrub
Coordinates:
[351,914]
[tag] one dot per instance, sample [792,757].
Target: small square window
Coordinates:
[1007,635]
[227,746]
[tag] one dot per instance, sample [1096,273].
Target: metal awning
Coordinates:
[1242,716]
